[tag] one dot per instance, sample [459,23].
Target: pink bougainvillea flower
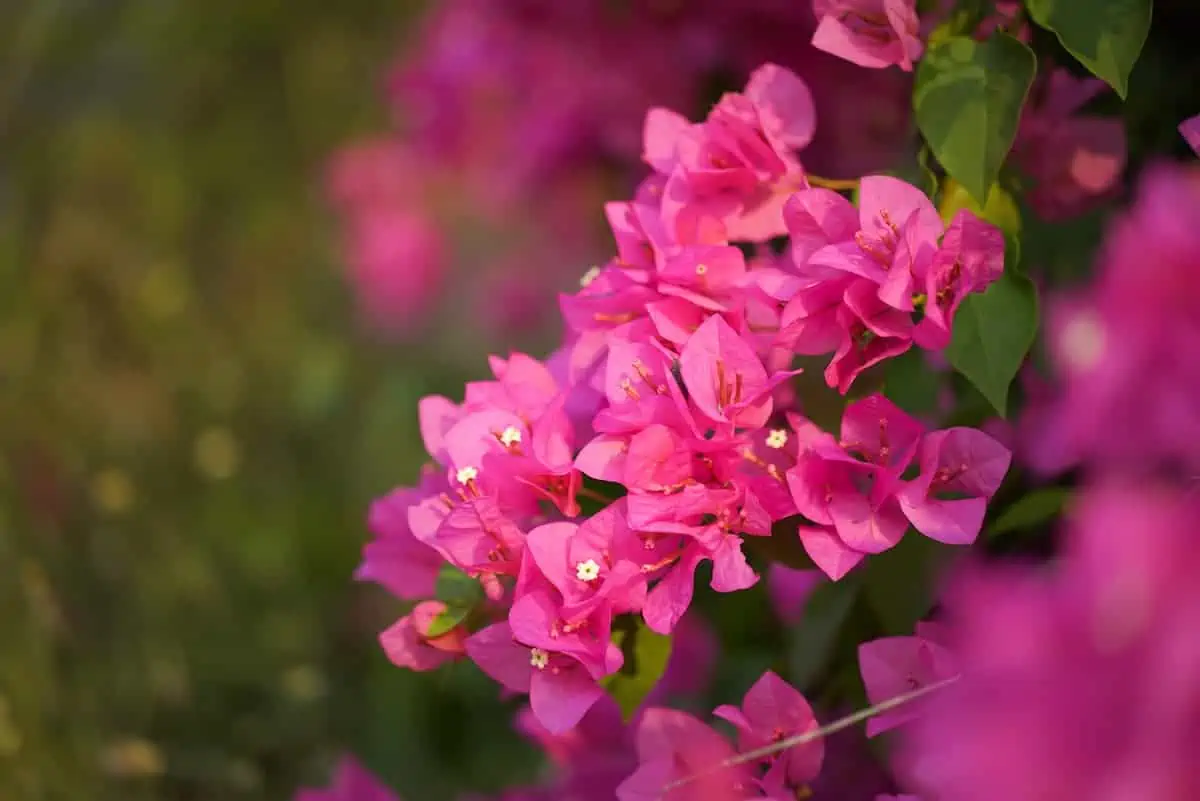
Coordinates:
[561,690]
[851,487]
[1189,129]
[870,33]
[790,589]
[408,644]
[395,559]
[585,575]
[1076,160]
[475,535]
[351,782]
[1121,347]
[737,167]
[724,377]
[771,711]
[969,259]
[871,332]
[708,520]
[813,322]
[896,235]
[673,746]
[893,666]
[963,463]
[397,265]
[1081,681]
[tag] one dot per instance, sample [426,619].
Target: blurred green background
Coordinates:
[192,423]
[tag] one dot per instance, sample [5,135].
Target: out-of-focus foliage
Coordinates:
[190,426]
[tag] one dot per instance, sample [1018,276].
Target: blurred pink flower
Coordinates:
[869,33]
[1081,681]
[351,782]
[1076,160]
[1189,129]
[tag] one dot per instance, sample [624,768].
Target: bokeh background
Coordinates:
[192,421]
[194,415]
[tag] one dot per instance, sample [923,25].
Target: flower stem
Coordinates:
[592,494]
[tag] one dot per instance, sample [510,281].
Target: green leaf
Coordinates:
[1105,35]
[899,584]
[968,100]
[811,643]
[646,655]
[910,383]
[448,619]
[993,332]
[456,588]
[1031,510]
[1000,209]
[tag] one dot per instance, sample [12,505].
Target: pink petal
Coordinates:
[1190,130]
[661,133]
[784,103]
[560,700]
[828,552]
[497,655]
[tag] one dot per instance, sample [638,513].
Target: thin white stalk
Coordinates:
[815,734]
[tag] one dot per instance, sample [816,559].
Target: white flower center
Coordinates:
[466,474]
[510,436]
[777,438]
[587,570]
[701,269]
[539,658]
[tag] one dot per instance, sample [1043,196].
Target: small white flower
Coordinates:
[587,570]
[510,436]
[539,658]
[777,438]
[466,474]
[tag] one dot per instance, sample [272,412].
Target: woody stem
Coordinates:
[837,184]
[586,492]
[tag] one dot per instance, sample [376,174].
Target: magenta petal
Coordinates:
[547,544]
[785,105]
[901,201]
[733,715]
[865,526]
[731,572]
[954,522]
[647,782]
[790,589]
[670,598]
[1190,130]
[816,218]
[603,458]
[662,130]
[833,37]
[532,617]
[828,552]
[497,655]
[436,414]
[560,700]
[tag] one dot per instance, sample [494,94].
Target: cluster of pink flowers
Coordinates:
[514,120]
[670,393]
[576,498]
